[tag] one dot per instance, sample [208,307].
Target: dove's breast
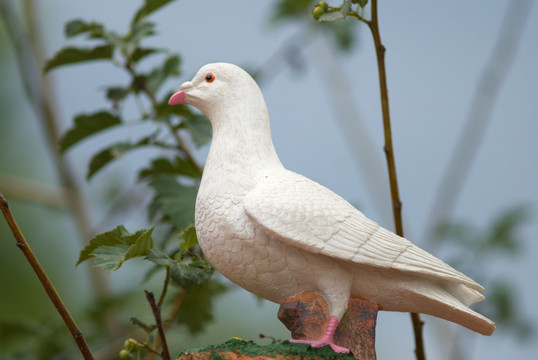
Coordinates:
[246,255]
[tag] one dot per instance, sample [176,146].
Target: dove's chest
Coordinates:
[242,252]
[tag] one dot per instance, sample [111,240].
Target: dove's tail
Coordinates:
[448,301]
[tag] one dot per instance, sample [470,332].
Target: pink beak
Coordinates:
[177,98]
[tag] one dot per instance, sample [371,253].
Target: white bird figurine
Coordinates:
[278,234]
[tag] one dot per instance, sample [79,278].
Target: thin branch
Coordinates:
[373,24]
[156,309]
[179,141]
[23,245]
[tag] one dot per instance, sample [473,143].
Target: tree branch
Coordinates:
[373,24]
[156,309]
[23,245]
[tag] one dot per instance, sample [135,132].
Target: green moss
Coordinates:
[285,348]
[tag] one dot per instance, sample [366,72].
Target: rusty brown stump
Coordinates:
[307,316]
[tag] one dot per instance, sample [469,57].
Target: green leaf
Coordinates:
[175,200]
[176,166]
[77,27]
[200,129]
[72,55]
[188,237]
[87,125]
[127,244]
[186,275]
[109,258]
[149,7]
[503,233]
[114,152]
[141,53]
[132,41]
[117,93]
[159,257]
[292,8]
[142,244]
[197,307]
[110,238]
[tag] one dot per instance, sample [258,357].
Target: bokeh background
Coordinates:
[463,87]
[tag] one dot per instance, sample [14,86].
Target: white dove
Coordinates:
[277,234]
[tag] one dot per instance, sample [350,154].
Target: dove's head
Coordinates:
[221,90]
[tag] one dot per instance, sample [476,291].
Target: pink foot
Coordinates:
[322,342]
[326,339]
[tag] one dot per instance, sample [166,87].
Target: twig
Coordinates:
[45,281]
[391,164]
[156,309]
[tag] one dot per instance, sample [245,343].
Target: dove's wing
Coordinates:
[303,213]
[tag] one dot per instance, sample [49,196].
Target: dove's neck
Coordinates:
[241,144]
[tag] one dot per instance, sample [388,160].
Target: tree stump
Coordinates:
[237,349]
[307,316]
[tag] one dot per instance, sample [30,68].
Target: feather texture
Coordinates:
[277,233]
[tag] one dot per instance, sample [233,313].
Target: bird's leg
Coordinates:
[326,339]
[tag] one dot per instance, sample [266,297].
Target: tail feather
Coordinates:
[448,301]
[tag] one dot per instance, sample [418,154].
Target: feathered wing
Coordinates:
[303,213]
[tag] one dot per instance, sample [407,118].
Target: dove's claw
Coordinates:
[326,339]
[322,342]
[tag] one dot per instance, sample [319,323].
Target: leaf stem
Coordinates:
[23,245]
[156,309]
[373,24]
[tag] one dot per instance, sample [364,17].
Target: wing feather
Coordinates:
[303,213]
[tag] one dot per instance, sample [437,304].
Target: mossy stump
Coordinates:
[237,349]
[307,316]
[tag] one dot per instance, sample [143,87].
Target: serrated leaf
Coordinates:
[175,200]
[110,238]
[159,257]
[176,166]
[200,129]
[197,306]
[109,258]
[149,7]
[185,275]
[188,238]
[136,244]
[77,27]
[86,126]
[141,244]
[73,55]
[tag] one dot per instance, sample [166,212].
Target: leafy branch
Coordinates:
[175,179]
[325,13]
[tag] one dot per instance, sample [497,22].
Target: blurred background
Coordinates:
[463,87]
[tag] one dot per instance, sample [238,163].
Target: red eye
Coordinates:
[209,77]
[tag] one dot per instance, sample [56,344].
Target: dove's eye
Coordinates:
[209,77]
